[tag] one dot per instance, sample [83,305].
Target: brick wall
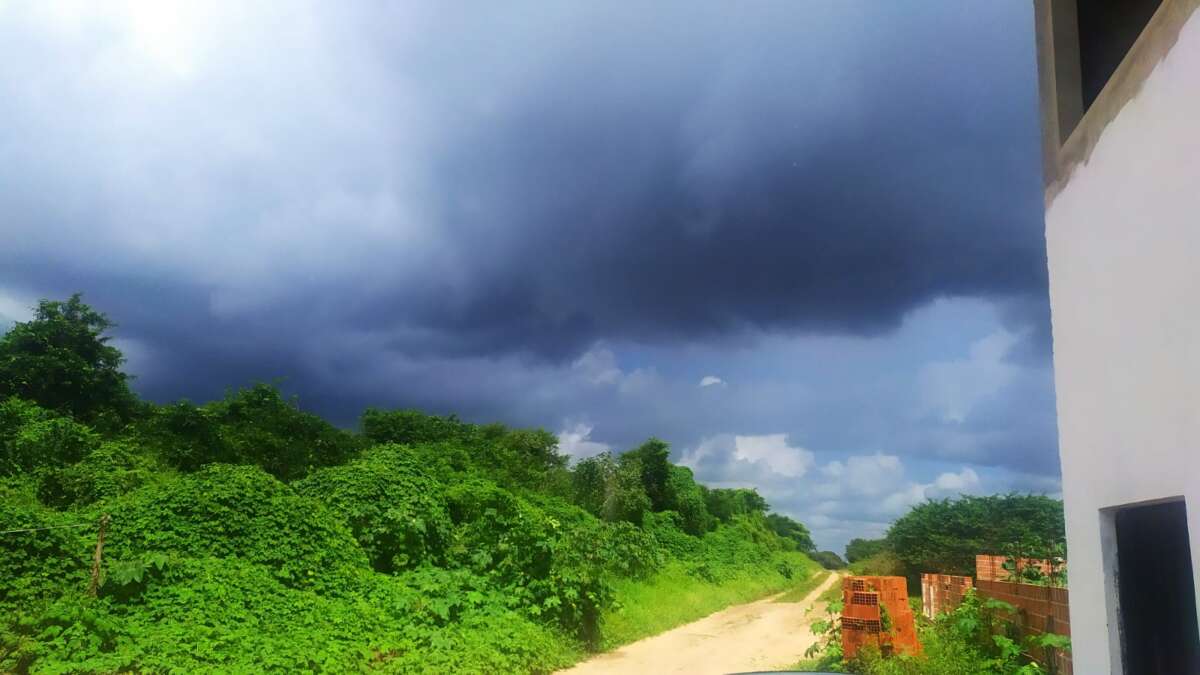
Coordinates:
[942,593]
[1040,609]
[991,567]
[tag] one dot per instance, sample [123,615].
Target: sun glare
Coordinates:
[168,32]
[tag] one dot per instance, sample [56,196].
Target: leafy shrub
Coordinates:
[610,489]
[237,511]
[396,511]
[39,564]
[32,438]
[413,427]
[186,436]
[667,530]
[549,568]
[882,564]
[111,470]
[726,503]
[250,426]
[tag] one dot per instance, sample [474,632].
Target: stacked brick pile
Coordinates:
[942,593]
[875,611]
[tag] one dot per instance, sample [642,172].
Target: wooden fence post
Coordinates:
[95,585]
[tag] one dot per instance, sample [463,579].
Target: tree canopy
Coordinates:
[945,535]
[62,360]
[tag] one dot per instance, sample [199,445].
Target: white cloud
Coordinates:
[576,442]
[966,479]
[945,485]
[711,381]
[952,389]
[598,366]
[13,309]
[774,451]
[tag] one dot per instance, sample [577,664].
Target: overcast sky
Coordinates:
[800,241]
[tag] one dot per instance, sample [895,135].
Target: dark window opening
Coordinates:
[1159,632]
[1107,30]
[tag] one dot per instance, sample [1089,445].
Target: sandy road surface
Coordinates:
[762,635]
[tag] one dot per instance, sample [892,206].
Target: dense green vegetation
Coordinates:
[246,535]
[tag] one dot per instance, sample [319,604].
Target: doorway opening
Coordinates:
[1159,632]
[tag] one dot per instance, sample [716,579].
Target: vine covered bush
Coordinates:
[396,512]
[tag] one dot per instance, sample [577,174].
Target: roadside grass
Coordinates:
[824,663]
[673,597]
[831,594]
[801,590]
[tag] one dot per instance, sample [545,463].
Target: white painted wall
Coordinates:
[1123,240]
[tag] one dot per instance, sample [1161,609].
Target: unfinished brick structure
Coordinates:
[875,611]
[942,593]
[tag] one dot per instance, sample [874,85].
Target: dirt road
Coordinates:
[762,635]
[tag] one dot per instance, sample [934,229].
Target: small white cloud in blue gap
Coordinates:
[711,381]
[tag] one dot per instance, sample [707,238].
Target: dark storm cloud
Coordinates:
[322,191]
[738,172]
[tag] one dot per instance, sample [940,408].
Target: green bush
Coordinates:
[396,511]
[881,564]
[237,511]
[32,439]
[549,568]
[256,425]
[610,489]
[40,564]
[413,427]
[113,469]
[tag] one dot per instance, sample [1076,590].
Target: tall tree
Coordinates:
[655,470]
[793,530]
[62,360]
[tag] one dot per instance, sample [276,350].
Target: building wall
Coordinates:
[1123,240]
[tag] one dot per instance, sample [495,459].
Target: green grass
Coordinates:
[673,597]
[801,590]
[831,594]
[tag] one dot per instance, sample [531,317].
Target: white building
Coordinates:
[1120,91]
